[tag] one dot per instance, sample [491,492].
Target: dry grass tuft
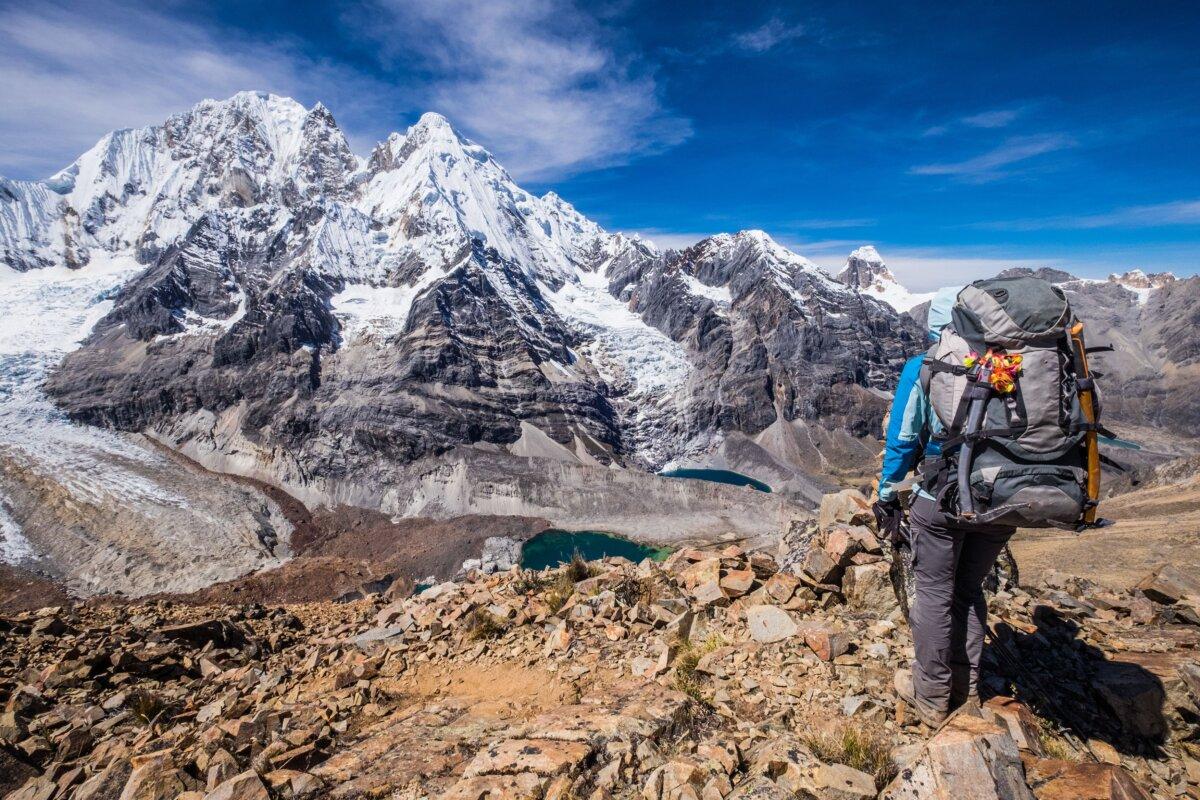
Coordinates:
[485,625]
[865,749]
[578,569]
[686,680]
[1053,745]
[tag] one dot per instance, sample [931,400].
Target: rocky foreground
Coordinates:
[716,674]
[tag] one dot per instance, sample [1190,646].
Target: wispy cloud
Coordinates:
[989,166]
[929,269]
[538,81]
[768,36]
[72,72]
[994,118]
[821,224]
[1179,212]
[997,118]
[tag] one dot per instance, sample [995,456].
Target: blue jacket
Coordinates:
[910,426]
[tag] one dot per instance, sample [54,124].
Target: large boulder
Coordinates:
[1135,696]
[243,786]
[868,587]
[1069,780]
[1169,584]
[968,759]
[770,624]
[847,507]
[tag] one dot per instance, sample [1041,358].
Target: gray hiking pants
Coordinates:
[949,617]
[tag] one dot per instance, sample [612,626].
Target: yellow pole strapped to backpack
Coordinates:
[1087,399]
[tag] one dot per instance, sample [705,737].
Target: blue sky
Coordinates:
[958,138]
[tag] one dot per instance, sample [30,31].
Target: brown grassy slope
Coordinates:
[1155,523]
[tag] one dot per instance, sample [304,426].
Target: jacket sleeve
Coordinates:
[907,430]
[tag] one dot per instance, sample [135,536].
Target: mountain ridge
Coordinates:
[413,333]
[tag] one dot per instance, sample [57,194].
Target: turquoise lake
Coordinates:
[554,547]
[1125,443]
[717,476]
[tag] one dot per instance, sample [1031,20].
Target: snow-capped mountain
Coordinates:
[1141,284]
[273,248]
[285,310]
[866,271]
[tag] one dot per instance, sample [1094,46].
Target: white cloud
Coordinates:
[1179,212]
[995,118]
[537,81]
[818,224]
[768,36]
[926,270]
[72,73]
[989,166]
[998,118]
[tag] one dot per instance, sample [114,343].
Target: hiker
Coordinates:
[1001,416]
[950,560]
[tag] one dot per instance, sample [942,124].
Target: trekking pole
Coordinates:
[1087,401]
[980,392]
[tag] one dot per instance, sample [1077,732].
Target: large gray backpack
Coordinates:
[1024,452]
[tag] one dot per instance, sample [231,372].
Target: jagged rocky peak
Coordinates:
[581,239]
[867,273]
[865,268]
[1138,279]
[737,250]
[139,190]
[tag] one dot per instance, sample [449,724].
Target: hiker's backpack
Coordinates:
[1009,381]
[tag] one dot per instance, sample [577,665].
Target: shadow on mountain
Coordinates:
[1076,686]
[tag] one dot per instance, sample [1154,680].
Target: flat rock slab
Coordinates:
[770,624]
[546,757]
[760,789]
[1169,584]
[969,759]
[1067,780]
[847,507]
[245,786]
[839,782]
[221,633]
[524,786]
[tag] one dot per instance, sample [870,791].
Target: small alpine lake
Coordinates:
[1122,443]
[727,476]
[553,547]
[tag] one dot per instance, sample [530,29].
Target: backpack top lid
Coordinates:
[1012,312]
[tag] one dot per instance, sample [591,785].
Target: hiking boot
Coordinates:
[972,700]
[971,707]
[905,690]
